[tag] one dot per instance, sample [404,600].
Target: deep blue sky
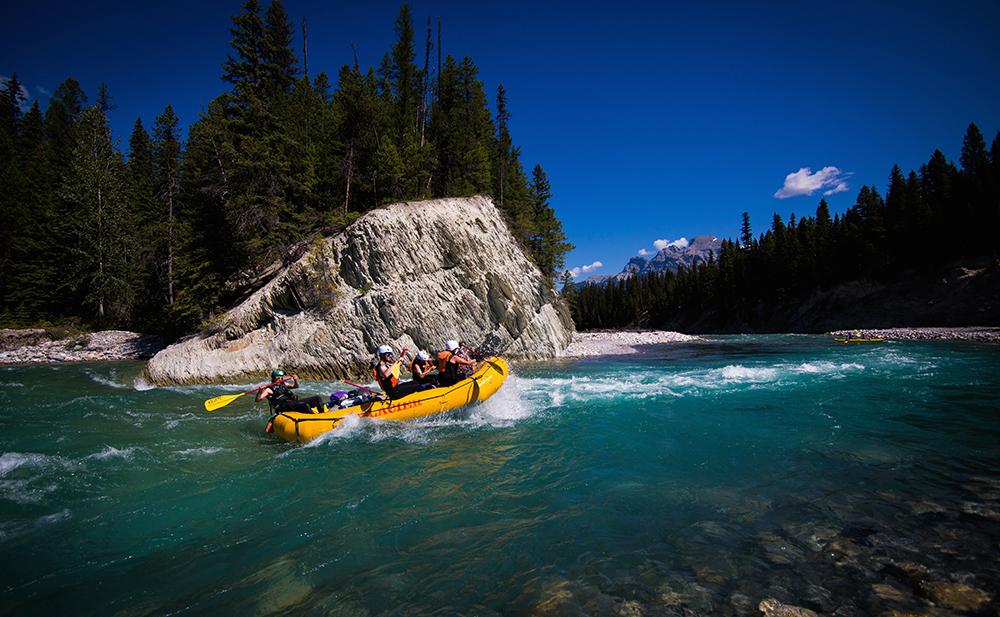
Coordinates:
[654,121]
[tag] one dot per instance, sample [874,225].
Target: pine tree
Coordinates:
[278,60]
[96,190]
[166,150]
[246,71]
[65,107]
[404,77]
[10,109]
[549,245]
[12,202]
[255,154]
[975,159]
[504,143]
[32,135]
[355,107]
[104,99]
[746,232]
[209,255]
[974,192]
[142,211]
[29,209]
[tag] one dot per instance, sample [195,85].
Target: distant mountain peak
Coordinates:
[668,258]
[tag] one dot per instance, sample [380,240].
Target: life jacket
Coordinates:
[389,384]
[280,393]
[443,359]
[423,364]
[445,366]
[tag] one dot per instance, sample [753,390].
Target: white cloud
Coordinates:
[575,272]
[830,180]
[659,245]
[644,252]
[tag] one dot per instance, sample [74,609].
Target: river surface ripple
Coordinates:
[695,478]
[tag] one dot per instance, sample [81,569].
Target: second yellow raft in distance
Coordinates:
[303,427]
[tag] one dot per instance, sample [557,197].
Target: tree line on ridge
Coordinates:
[927,219]
[165,238]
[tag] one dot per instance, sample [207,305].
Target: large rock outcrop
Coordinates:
[412,275]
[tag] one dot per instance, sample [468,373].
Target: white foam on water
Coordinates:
[107,381]
[657,381]
[742,374]
[24,477]
[9,461]
[505,408]
[142,385]
[199,452]
[351,427]
[827,368]
[175,422]
[110,452]
[10,529]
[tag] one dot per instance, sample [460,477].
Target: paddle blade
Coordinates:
[221,401]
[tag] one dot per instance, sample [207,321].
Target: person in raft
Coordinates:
[279,396]
[387,376]
[421,368]
[452,365]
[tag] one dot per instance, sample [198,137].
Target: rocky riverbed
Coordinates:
[981,334]
[34,346]
[624,342]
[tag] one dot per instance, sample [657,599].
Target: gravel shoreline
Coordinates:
[982,334]
[619,343]
[94,347]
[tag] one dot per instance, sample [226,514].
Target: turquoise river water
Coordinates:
[689,479]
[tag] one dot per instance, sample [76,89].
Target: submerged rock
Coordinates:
[411,275]
[772,608]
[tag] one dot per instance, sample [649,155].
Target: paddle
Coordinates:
[361,387]
[493,364]
[473,351]
[221,401]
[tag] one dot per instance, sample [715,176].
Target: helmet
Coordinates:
[384,349]
[451,345]
[423,355]
[277,374]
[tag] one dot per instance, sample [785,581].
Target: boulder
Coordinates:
[412,275]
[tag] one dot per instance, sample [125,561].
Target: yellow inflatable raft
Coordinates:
[302,427]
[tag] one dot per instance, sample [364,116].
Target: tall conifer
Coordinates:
[96,193]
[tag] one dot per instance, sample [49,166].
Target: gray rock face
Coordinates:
[411,275]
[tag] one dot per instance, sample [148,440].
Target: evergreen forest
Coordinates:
[166,234]
[927,219]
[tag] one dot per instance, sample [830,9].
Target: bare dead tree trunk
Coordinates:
[350,169]
[305,68]
[170,243]
[439,60]
[426,84]
[305,48]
